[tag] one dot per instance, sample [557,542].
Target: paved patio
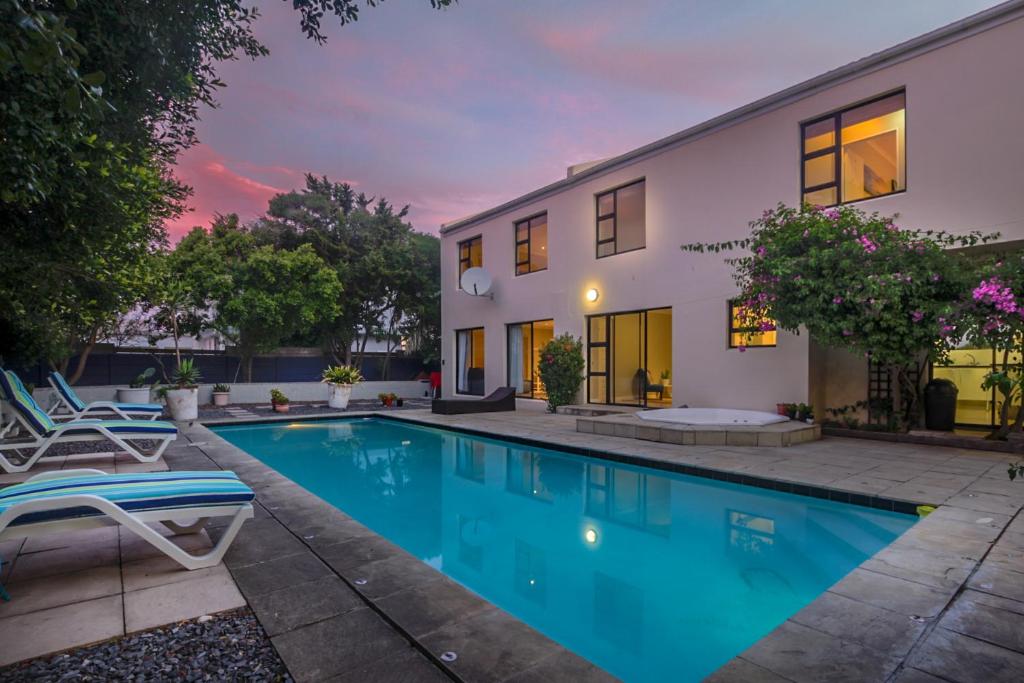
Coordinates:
[944,602]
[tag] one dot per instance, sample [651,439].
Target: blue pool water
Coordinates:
[651,575]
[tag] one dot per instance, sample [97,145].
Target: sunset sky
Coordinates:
[456,111]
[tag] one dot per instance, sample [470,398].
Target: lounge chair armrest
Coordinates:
[63,474]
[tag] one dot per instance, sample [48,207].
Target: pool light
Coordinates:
[590,536]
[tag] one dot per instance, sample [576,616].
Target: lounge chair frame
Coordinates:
[43,443]
[101,407]
[181,521]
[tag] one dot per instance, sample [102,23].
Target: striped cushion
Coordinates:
[67,392]
[122,427]
[140,407]
[131,492]
[15,393]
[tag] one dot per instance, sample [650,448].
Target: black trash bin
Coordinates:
[940,405]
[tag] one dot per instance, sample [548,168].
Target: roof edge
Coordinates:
[944,35]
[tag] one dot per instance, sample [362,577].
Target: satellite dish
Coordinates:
[476,282]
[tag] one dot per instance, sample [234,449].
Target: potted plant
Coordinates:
[791,411]
[804,413]
[386,399]
[221,392]
[137,391]
[339,380]
[183,395]
[279,401]
[399,401]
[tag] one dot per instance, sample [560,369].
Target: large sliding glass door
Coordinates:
[629,358]
[967,368]
[525,342]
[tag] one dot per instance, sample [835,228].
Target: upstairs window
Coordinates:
[471,255]
[621,219]
[532,244]
[745,332]
[856,153]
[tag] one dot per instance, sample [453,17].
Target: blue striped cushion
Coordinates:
[17,396]
[141,407]
[67,392]
[131,492]
[123,427]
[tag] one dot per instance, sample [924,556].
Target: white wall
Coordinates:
[964,151]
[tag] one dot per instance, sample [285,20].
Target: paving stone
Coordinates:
[425,608]
[260,540]
[48,592]
[739,670]
[305,603]
[1000,622]
[134,547]
[160,571]
[390,575]
[272,575]
[891,593]
[359,550]
[873,627]
[562,666]
[320,536]
[915,676]
[939,569]
[338,645]
[955,657]
[188,599]
[51,630]
[995,579]
[407,667]
[74,558]
[491,646]
[985,502]
[104,536]
[800,654]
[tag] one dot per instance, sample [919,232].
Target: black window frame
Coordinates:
[836,151]
[729,306]
[613,240]
[529,244]
[467,258]
[455,384]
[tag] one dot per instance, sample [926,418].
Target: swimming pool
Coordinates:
[651,575]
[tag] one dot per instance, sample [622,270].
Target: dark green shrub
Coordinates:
[561,370]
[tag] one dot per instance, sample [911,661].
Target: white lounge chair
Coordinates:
[44,432]
[70,500]
[76,408]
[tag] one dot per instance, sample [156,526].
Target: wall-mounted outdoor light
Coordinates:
[592,294]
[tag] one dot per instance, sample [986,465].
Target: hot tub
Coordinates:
[711,416]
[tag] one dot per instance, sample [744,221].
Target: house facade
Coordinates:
[929,129]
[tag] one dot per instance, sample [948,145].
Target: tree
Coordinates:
[257,296]
[391,273]
[561,370]
[855,282]
[991,314]
[99,99]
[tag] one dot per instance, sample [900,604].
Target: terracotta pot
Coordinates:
[281,407]
[220,398]
[780,408]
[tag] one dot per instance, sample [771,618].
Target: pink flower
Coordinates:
[837,300]
[743,348]
[917,316]
[869,246]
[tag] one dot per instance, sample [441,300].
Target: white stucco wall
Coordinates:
[964,149]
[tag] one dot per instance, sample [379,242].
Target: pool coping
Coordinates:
[904,585]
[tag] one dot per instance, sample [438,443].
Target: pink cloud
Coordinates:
[220,189]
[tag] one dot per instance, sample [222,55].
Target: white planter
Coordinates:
[130,395]
[220,398]
[183,404]
[338,395]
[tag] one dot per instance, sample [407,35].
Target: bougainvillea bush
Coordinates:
[561,370]
[992,314]
[854,281]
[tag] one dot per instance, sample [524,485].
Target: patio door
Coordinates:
[629,358]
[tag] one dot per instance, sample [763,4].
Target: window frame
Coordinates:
[529,244]
[731,330]
[468,241]
[508,359]
[837,148]
[613,240]
[455,383]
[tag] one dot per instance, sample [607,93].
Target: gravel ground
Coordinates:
[227,647]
